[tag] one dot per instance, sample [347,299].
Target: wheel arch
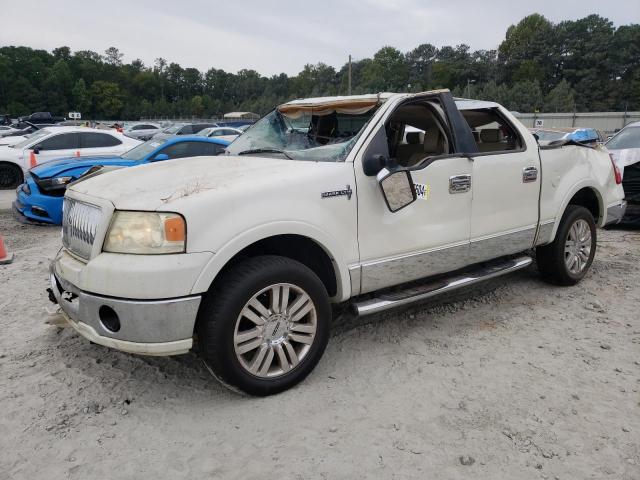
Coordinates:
[13,165]
[585,195]
[297,244]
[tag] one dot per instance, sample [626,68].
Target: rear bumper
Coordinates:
[146,327]
[615,213]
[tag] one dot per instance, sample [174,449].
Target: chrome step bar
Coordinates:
[422,292]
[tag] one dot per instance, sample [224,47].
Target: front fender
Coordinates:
[236,244]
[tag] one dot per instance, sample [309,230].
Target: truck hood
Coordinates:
[63,165]
[179,186]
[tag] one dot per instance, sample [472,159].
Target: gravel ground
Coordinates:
[514,380]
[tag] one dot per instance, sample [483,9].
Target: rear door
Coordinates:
[57,146]
[506,185]
[95,143]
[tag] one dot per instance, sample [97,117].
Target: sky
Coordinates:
[273,37]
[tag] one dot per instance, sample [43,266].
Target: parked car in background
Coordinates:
[582,135]
[228,133]
[5,119]
[40,118]
[55,142]
[7,130]
[625,151]
[22,129]
[39,198]
[142,131]
[185,128]
[248,256]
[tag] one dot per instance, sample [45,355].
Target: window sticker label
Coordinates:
[423,190]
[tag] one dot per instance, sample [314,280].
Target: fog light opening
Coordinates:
[109,319]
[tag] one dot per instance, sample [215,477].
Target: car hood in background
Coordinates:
[59,167]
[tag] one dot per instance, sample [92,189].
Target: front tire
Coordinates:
[568,258]
[10,176]
[265,325]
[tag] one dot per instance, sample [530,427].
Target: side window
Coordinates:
[186,130]
[138,127]
[491,131]
[145,127]
[212,149]
[181,150]
[63,141]
[416,132]
[97,140]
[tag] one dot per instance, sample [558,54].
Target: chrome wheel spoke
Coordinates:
[267,363]
[275,330]
[307,339]
[257,360]
[247,335]
[291,352]
[282,358]
[251,315]
[275,299]
[302,328]
[248,346]
[577,248]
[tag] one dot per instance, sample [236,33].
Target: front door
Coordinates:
[431,235]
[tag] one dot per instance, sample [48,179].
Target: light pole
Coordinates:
[469,82]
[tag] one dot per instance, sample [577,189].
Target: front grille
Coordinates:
[79,225]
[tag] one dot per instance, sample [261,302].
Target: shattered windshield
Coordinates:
[304,135]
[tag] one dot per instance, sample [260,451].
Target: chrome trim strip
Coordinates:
[499,245]
[545,231]
[355,274]
[387,272]
[390,301]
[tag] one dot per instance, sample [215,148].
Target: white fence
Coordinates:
[608,122]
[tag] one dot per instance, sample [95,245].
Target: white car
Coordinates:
[226,133]
[57,142]
[142,131]
[324,200]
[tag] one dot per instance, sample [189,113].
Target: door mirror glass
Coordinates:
[398,188]
[160,157]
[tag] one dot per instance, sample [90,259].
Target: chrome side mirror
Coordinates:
[397,188]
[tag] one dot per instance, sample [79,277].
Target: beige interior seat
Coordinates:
[404,151]
[434,144]
[492,140]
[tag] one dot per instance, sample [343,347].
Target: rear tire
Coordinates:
[265,325]
[10,176]
[568,258]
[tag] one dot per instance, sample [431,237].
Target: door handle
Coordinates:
[529,174]
[459,184]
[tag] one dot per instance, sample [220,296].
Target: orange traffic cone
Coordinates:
[5,257]
[32,160]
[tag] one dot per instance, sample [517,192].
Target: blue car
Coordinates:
[39,198]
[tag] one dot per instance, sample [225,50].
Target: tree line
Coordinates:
[540,66]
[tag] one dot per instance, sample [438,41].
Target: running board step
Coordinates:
[422,292]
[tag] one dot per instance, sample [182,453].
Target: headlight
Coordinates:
[53,183]
[146,233]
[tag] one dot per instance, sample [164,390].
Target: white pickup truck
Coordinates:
[380,200]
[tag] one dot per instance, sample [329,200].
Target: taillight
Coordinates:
[616,170]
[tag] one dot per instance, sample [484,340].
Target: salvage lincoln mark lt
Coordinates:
[363,199]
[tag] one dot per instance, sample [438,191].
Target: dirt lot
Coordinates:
[515,380]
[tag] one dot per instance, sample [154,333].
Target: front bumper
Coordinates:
[35,206]
[615,213]
[146,327]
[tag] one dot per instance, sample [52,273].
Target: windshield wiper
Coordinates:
[266,150]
